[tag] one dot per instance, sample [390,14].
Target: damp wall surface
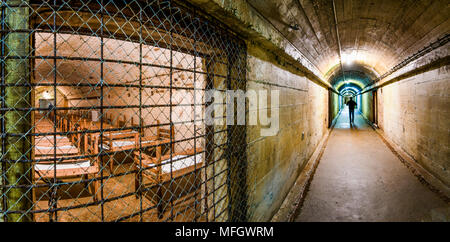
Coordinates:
[413,111]
[275,161]
[334,106]
[366,106]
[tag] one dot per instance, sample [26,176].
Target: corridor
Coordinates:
[224,110]
[360,179]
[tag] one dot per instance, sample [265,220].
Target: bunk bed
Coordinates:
[60,160]
[166,171]
[127,139]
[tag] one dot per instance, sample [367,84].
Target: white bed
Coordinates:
[48,167]
[122,143]
[178,162]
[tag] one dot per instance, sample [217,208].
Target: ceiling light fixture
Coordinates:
[46,95]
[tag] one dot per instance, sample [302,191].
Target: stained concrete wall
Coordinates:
[366,106]
[334,106]
[275,161]
[413,112]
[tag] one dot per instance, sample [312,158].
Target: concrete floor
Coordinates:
[360,179]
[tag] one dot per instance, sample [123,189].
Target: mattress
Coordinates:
[179,162]
[60,150]
[128,132]
[48,167]
[122,143]
[57,147]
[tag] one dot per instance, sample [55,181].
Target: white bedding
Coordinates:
[128,132]
[179,163]
[48,167]
[58,147]
[121,143]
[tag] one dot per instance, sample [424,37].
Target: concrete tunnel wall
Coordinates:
[366,106]
[413,112]
[334,106]
[275,161]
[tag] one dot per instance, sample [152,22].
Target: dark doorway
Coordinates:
[45,104]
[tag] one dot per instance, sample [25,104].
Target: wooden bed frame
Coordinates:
[113,141]
[118,141]
[160,181]
[44,149]
[64,173]
[128,139]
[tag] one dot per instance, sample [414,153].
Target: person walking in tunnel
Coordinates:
[351,109]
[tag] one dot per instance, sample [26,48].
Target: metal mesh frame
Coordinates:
[100,63]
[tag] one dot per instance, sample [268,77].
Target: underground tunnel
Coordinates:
[224,110]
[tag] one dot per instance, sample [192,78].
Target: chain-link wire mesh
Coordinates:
[102,113]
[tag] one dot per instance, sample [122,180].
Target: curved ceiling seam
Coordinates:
[427,49]
[338,41]
[289,41]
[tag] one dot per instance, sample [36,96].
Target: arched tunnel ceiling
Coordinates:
[352,87]
[88,73]
[355,76]
[376,34]
[355,72]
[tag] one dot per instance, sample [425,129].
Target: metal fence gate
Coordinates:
[102,113]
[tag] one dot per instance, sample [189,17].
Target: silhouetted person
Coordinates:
[351,109]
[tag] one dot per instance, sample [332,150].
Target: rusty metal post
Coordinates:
[236,151]
[17,152]
[226,165]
